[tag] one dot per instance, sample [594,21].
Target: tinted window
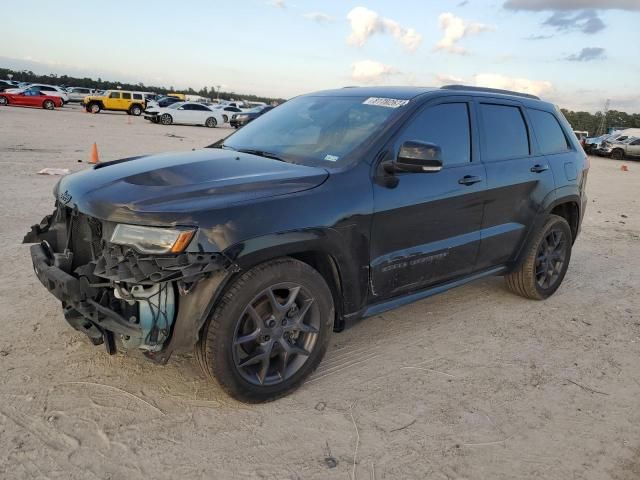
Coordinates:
[114,95]
[504,132]
[200,107]
[126,96]
[137,96]
[48,89]
[635,142]
[548,132]
[446,125]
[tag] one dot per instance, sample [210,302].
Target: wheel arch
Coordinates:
[321,249]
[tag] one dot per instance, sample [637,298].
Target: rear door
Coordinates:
[518,179]
[426,229]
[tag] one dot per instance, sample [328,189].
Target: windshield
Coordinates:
[313,130]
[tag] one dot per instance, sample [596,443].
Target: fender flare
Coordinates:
[554,198]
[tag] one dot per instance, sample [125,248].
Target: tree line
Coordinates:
[585,121]
[100,84]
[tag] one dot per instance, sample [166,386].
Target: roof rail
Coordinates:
[489,90]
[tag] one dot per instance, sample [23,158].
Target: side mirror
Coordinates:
[417,157]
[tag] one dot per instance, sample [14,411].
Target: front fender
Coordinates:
[346,248]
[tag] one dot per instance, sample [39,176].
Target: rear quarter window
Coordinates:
[549,133]
[504,132]
[137,96]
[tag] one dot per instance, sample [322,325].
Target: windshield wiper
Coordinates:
[261,153]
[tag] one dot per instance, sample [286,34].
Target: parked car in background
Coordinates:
[116,100]
[51,90]
[591,144]
[185,113]
[162,101]
[78,94]
[31,97]
[228,111]
[618,150]
[6,84]
[241,119]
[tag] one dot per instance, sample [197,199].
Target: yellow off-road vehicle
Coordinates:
[119,100]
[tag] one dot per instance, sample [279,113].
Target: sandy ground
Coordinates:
[473,384]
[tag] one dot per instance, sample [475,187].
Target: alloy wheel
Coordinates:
[275,334]
[550,258]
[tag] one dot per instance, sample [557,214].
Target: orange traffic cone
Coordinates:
[624,168]
[94,157]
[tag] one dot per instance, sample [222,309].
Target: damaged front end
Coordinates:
[156,302]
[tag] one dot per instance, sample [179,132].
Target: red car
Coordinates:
[30,98]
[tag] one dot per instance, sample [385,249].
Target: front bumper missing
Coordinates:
[77,295]
[86,292]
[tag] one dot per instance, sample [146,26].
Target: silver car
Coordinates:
[78,94]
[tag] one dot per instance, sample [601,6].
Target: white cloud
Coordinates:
[370,71]
[277,3]
[445,79]
[523,85]
[365,23]
[318,17]
[455,29]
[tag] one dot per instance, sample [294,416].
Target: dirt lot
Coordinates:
[473,384]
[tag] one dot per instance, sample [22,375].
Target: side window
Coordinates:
[504,132]
[187,106]
[636,142]
[48,89]
[548,132]
[126,95]
[137,96]
[200,108]
[114,95]
[446,125]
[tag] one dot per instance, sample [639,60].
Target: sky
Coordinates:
[576,53]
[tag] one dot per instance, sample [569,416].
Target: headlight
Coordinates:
[152,240]
[242,117]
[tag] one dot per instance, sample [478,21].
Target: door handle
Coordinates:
[469,180]
[539,168]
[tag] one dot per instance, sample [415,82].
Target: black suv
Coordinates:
[332,207]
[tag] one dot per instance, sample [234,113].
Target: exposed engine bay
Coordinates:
[113,292]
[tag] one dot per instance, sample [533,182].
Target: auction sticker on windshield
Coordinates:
[385,102]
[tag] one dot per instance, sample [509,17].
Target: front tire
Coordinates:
[269,331]
[211,122]
[617,154]
[225,119]
[166,119]
[545,263]
[4,100]
[93,108]
[48,105]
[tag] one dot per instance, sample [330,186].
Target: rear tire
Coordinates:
[135,110]
[225,118]
[268,332]
[166,119]
[545,261]
[211,122]
[48,105]
[4,100]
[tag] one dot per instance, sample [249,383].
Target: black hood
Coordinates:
[170,188]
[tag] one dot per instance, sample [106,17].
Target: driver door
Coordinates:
[426,228]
